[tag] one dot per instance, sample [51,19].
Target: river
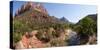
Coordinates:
[73,38]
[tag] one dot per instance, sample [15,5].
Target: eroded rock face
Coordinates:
[29,42]
[24,42]
[35,42]
[92,39]
[31,6]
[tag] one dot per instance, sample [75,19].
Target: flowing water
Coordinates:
[73,39]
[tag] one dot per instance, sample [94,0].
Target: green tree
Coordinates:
[86,26]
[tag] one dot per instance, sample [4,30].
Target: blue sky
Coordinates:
[73,12]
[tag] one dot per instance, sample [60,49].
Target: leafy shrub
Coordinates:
[86,26]
[16,37]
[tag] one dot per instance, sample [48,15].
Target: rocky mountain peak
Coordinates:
[64,19]
[31,6]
